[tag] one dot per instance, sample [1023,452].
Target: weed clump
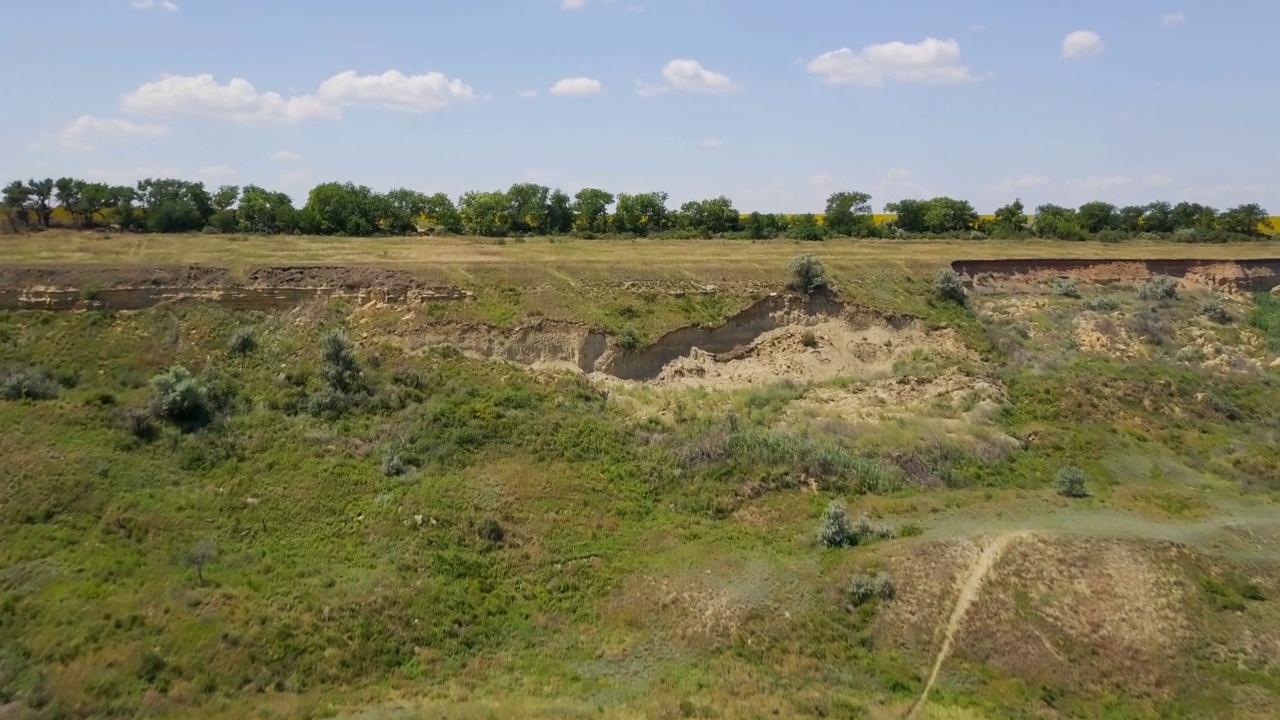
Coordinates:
[1070,483]
[835,532]
[947,286]
[809,339]
[492,532]
[1216,310]
[339,366]
[864,588]
[1160,287]
[179,398]
[242,341]
[629,339]
[866,530]
[1065,287]
[808,274]
[1103,304]
[27,385]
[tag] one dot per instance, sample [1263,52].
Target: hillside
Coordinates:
[391,478]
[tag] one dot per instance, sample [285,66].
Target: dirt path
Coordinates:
[968,593]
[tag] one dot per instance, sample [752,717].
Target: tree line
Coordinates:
[178,206]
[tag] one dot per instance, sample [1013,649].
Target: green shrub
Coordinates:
[864,588]
[865,530]
[27,385]
[1149,326]
[1065,287]
[1265,318]
[492,532]
[179,398]
[808,275]
[948,286]
[834,531]
[911,529]
[1103,304]
[392,464]
[629,339]
[1070,483]
[1159,287]
[339,366]
[242,341]
[1216,310]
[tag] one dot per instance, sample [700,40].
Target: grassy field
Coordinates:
[403,531]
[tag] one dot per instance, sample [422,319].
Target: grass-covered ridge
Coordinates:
[218,513]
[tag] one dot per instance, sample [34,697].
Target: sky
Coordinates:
[774,103]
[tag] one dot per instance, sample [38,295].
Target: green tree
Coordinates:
[266,212]
[529,208]
[1159,218]
[805,227]
[910,215]
[641,214]
[711,217]
[341,209]
[559,213]
[401,209]
[591,210]
[1095,217]
[441,212]
[1011,220]
[1058,223]
[225,198]
[18,202]
[1245,219]
[849,213]
[42,198]
[67,191]
[944,214]
[1130,218]
[1188,215]
[487,214]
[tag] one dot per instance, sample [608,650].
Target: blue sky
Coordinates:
[773,103]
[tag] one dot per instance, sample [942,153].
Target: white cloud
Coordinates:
[1173,19]
[153,5]
[285,156]
[1082,44]
[393,90]
[577,87]
[81,133]
[977,27]
[572,4]
[1031,181]
[822,180]
[897,184]
[240,102]
[690,76]
[929,62]
[528,94]
[644,89]
[712,143]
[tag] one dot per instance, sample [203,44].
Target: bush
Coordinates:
[179,398]
[1065,287]
[392,464]
[864,588]
[1160,287]
[1150,327]
[141,424]
[834,532]
[339,366]
[242,341]
[1103,304]
[947,286]
[629,339]
[809,339]
[329,404]
[808,274]
[1216,310]
[1070,483]
[27,385]
[492,532]
[866,531]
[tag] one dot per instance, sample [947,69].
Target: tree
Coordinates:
[1058,223]
[944,214]
[42,197]
[1194,216]
[1245,219]
[262,211]
[528,208]
[641,214]
[201,555]
[805,227]
[1011,219]
[591,209]
[487,214]
[910,215]
[1130,218]
[756,228]
[17,201]
[441,212]
[1159,218]
[849,213]
[559,213]
[401,209]
[1095,217]
[341,209]
[225,198]
[711,216]
[68,196]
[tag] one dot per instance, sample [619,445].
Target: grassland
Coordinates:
[467,538]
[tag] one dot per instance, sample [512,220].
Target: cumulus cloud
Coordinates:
[822,180]
[572,4]
[712,143]
[644,89]
[240,102]
[1173,19]
[690,76]
[577,87]
[528,94]
[1082,44]
[153,5]
[285,156]
[85,131]
[929,62]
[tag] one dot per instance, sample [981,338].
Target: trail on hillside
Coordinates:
[968,593]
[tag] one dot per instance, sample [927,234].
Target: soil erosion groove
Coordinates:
[968,594]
